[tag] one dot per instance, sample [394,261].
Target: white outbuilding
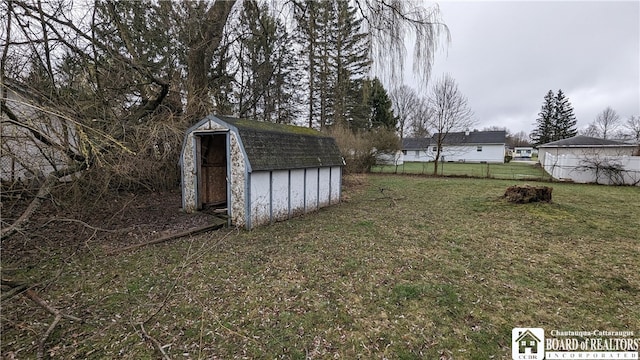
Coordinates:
[258,172]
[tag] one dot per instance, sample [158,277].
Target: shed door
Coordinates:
[212,161]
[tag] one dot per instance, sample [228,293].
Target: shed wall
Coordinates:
[259,201]
[297,192]
[336,185]
[311,190]
[324,186]
[584,151]
[280,195]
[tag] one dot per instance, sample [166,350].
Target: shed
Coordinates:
[258,172]
[585,146]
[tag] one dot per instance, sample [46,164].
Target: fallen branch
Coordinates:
[165,238]
[42,194]
[155,342]
[33,296]
[15,287]
[59,315]
[40,353]
[387,197]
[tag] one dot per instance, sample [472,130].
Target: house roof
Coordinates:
[473,138]
[415,143]
[585,141]
[270,146]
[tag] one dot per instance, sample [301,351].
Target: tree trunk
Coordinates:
[207,38]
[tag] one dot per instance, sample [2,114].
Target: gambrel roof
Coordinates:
[271,146]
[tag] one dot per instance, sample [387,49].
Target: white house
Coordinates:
[523,152]
[415,149]
[471,146]
[585,145]
[468,146]
[34,141]
[258,172]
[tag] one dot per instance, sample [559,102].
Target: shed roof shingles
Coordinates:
[582,141]
[272,146]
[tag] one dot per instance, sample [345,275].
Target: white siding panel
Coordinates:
[336,183]
[324,186]
[280,194]
[311,189]
[297,192]
[259,201]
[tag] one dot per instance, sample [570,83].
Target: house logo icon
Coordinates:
[527,343]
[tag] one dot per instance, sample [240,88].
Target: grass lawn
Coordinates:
[429,268]
[512,171]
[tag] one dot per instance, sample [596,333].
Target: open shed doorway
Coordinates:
[212,171]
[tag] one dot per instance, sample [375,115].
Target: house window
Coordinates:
[417,152]
[404,152]
[479,148]
[434,149]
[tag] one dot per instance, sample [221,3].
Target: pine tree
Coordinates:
[381,107]
[542,134]
[266,63]
[336,57]
[565,120]
[351,61]
[556,120]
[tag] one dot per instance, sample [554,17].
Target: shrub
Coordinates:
[360,148]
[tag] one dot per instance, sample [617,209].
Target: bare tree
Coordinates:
[389,22]
[606,122]
[406,106]
[420,125]
[520,138]
[451,112]
[632,125]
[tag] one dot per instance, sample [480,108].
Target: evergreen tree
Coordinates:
[565,120]
[556,120]
[266,61]
[336,57]
[381,107]
[542,134]
[351,61]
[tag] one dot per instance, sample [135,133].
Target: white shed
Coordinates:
[258,172]
[585,146]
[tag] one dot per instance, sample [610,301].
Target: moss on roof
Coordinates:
[272,146]
[249,124]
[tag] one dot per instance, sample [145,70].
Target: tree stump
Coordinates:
[527,194]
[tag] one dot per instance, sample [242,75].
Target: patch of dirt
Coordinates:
[111,222]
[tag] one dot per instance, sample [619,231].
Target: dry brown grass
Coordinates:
[428,268]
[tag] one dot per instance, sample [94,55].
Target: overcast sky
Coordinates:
[505,56]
